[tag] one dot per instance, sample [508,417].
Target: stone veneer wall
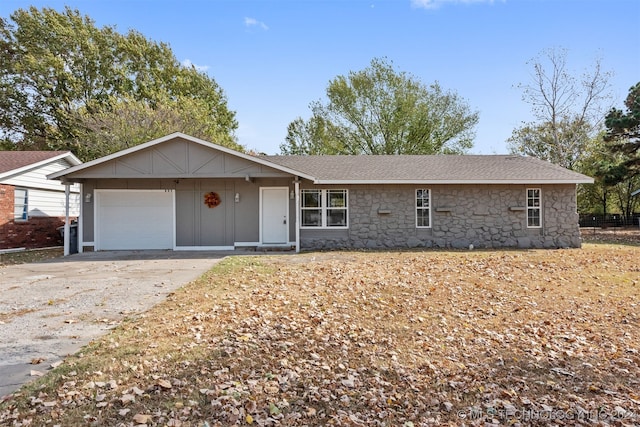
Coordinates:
[36,232]
[487,216]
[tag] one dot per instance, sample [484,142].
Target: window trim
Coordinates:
[417,208]
[24,204]
[534,208]
[324,209]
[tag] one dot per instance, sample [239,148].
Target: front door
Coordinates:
[274,218]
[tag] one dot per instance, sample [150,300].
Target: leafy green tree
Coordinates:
[598,163]
[105,131]
[314,136]
[623,131]
[60,75]
[626,202]
[381,111]
[568,110]
[613,186]
[541,140]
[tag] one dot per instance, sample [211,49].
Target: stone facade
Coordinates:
[36,232]
[485,216]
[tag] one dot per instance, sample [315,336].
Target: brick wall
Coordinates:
[36,232]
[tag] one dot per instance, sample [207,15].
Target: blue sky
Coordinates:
[273,57]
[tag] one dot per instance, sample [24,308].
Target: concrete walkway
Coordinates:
[51,309]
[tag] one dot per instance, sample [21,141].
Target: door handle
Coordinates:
[284,221]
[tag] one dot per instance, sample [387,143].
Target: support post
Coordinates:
[80,220]
[297,190]
[67,228]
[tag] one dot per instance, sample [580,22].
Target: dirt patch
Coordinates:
[364,339]
[7,317]
[27,256]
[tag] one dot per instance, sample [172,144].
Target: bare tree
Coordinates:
[569,110]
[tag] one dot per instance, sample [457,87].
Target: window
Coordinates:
[311,208]
[21,205]
[324,208]
[423,208]
[533,208]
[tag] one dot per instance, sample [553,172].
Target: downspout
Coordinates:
[67,229]
[297,190]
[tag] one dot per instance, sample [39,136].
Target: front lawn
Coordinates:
[368,338]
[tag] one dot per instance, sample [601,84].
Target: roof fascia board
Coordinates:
[453,181]
[68,155]
[182,136]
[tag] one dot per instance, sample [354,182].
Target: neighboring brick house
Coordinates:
[32,207]
[182,193]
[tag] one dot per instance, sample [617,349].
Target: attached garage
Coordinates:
[158,196]
[134,219]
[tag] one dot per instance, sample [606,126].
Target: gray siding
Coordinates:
[482,215]
[196,224]
[199,225]
[177,158]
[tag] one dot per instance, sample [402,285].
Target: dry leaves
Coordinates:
[371,339]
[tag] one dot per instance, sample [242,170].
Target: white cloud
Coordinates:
[188,64]
[252,22]
[435,4]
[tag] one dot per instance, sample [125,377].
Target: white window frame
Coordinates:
[423,208]
[24,203]
[533,207]
[324,208]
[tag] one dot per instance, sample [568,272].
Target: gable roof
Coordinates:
[15,162]
[434,169]
[192,139]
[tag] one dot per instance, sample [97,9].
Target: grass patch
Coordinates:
[350,338]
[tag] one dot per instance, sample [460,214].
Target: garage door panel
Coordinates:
[135,219]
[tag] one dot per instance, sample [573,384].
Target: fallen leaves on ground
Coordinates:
[613,235]
[369,339]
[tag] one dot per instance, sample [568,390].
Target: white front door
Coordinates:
[274,215]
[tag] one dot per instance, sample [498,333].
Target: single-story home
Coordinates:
[182,193]
[31,206]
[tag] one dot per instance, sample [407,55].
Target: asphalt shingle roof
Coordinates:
[436,168]
[403,169]
[12,160]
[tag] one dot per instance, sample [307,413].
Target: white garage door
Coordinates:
[134,219]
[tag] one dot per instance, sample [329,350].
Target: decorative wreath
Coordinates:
[212,199]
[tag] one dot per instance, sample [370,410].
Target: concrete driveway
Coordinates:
[51,309]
